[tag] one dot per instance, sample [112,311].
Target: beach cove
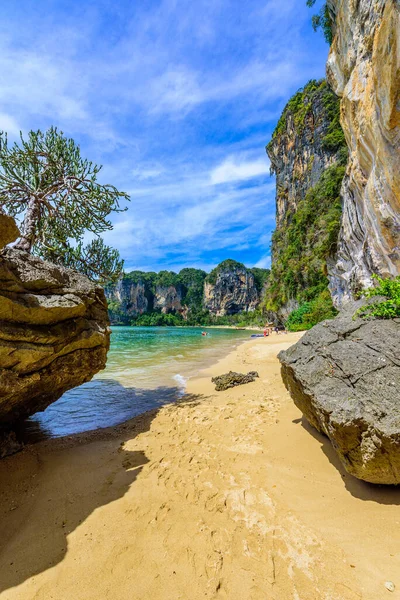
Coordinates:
[220,495]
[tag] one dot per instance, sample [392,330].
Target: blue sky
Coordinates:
[177,99]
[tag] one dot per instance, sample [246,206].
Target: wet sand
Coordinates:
[225,495]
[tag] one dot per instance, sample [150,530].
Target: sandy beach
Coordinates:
[225,495]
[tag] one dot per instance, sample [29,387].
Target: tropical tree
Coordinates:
[322,20]
[54,192]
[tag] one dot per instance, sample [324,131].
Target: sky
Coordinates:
[177,100]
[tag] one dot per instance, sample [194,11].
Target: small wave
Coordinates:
[179,356]
[181,381]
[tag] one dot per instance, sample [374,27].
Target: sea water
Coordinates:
[147,367]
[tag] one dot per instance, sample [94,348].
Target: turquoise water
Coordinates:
[146,368]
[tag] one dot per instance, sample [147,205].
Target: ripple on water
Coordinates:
[141,374]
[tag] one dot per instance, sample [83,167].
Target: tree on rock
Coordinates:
[45,181]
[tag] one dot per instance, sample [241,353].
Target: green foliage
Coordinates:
[192,281]
[226,265]
[204,318]
[299,106]
[45,181]
[191,285]
[310,313]
[95,260]
[116,313]
[383,309]
[260,277]
[322,20]
[142,276]
[157,319]
[334,140]
[167,279]
[195,318]
[302,245]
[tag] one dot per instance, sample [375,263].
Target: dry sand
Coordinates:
[226,495]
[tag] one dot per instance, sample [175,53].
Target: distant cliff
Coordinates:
[308,156]
[364,70]
[229,289]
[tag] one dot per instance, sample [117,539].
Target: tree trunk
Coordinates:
[29,226]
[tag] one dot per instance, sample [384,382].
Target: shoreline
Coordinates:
[220,495]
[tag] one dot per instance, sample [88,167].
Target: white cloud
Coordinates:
[264,263]
[9,124]
[177,104]
[234,169]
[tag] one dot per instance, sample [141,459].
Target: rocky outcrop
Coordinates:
[230,289]
[308,156]
[364,70]
[131,296]
[54,333]
[232,379]
[344,375]
[168,299]
[298,151]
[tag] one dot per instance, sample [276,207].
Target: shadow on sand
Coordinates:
[382,494]
[53,486]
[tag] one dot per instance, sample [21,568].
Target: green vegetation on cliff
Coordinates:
[189,287]
[226,265]
[308,232]
[387,308]
[299,108]
[303,244]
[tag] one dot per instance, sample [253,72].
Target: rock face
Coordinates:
[297,150]
[133,297]
[54,333]
[344,375]
[168,299]
[232,290]
[364,70]
[307,148]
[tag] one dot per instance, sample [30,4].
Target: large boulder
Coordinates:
[54,333]
[344,375]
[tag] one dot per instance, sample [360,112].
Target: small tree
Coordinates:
[55,191]
[322,20]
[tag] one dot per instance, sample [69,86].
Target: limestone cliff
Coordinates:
[168,299]
[230,289]
[307,154]
[129,297]
[138,292]
[54,333]
[300,149]
[364,70]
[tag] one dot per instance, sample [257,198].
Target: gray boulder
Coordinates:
[344,375]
